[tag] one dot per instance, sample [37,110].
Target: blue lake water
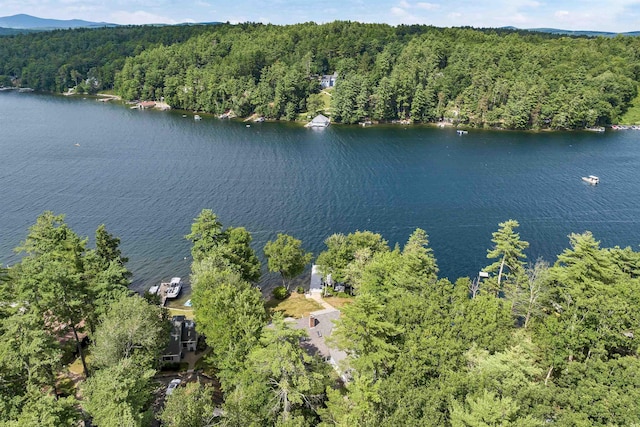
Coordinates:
[147,174]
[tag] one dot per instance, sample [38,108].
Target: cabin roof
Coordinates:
[320,119]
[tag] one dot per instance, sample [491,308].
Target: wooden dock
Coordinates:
[167,290]
[162,291]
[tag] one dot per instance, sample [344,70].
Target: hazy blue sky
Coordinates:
[603,15]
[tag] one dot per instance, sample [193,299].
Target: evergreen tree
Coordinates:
[508,249]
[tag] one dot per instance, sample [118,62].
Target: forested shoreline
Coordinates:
[527,344]
[476,77]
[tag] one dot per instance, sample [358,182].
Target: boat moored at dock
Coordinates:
[174,288]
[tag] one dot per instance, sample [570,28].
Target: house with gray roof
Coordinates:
[319,121]
[183,337]
[328,80]
[319,326]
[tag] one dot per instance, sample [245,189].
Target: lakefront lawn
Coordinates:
[295,305]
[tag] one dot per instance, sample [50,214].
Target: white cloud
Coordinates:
[520,19]
[527,3]
[140,17]
[404,4]
[397,11]
[561,14]
[427,6]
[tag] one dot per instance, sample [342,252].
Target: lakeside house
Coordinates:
[319,327]
[328,80]
[183,338]
[319,121]
[145,105]
[320,286]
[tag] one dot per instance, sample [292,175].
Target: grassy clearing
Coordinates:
[326,98]
[76,367]
[188,313]
[632,116]
[296,305]
[178,302]
[339,302]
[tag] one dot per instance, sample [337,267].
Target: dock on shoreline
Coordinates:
[161,290]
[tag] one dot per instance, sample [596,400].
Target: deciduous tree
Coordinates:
[342,250]
[130,328]
[120,395]
[231,318]
[47,410]
[286,256]
[189,406]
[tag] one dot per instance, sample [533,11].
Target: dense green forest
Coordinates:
[532,344]
[54,61]
[424,74]
[484,78]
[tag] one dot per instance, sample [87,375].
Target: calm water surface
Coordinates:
[147,174]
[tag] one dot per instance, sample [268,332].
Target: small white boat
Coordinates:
[197,117]
[174,287]
[154,289]
[591,179]
[462,132]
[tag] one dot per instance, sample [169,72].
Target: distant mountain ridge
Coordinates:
[22,23]
[576,32]
[28,22]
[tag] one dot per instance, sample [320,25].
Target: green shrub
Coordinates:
[328,291]
[280,293]
[300,290]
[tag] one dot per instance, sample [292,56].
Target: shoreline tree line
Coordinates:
[494,78]
[528,344]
